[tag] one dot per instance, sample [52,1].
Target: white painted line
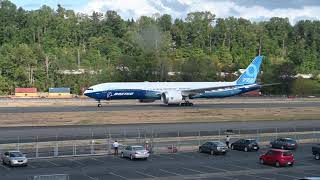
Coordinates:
[295,177]
[5,167]
[97,160]
[194,170]
[117,175]
[214,168]
[145,174]
[92,178]
[259,177]
[33,167]
[166,157]
[75,161]
[170,172]
[52,163]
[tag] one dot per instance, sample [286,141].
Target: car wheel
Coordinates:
[10,164]
[317,156]
[211,152]
[232,147]
[122,155]
[131,157]
[261,161]
[245,149]
[200,150]
[277,164]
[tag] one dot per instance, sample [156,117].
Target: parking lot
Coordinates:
[191,165]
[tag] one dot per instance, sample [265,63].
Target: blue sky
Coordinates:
[250,9]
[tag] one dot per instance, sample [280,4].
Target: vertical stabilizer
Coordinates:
[251,73]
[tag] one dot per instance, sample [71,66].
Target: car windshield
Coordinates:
[138,148]
[248,141]
[16,154]
[219,143]
[290,140]
[287,153]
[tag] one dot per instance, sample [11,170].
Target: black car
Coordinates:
[284,143]
[316,151]
[213,147]
[245,145]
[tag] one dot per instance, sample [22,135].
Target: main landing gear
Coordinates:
[99,103]
[186,103]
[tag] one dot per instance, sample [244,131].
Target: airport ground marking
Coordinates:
[114,174]
[169,172]
[145,174]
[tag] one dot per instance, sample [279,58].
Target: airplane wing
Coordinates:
[203,90]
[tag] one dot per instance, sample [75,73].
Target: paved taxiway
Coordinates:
[156,106]
[192,165]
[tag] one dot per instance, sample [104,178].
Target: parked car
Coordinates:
[316,151]
[284,143]
[135,152]
[213,147]
[277,157]
[245,145]
[14,158]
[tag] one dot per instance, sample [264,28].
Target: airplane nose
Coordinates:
[85,93]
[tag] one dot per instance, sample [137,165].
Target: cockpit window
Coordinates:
[91,89]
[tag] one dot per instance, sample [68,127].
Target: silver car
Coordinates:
[14,158]
[135,152]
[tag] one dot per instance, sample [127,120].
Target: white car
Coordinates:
[135,152]
[14,158]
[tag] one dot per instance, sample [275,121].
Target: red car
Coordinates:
[277,157]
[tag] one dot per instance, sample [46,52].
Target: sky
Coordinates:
[255,10]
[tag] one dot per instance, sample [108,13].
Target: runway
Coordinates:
[153,106]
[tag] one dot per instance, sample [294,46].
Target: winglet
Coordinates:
[251,73]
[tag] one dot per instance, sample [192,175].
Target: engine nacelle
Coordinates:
[171,97]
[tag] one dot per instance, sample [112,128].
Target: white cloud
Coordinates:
[135,8]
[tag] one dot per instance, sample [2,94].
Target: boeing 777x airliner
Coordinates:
[177,92]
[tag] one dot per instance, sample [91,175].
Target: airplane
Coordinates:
[178,93]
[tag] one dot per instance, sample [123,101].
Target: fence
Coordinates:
[157,142]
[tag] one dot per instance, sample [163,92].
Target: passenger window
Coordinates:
[128,148]
[6,153]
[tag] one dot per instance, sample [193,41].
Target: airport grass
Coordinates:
[157,116]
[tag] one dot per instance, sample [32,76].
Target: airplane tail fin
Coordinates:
[251,73]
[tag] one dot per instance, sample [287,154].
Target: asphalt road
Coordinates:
[236,165]
[33,134]
[153,106]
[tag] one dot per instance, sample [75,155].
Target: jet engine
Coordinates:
[171,97]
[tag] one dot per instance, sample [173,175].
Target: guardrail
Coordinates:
[156,142]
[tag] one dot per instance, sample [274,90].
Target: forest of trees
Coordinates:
[37,46]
